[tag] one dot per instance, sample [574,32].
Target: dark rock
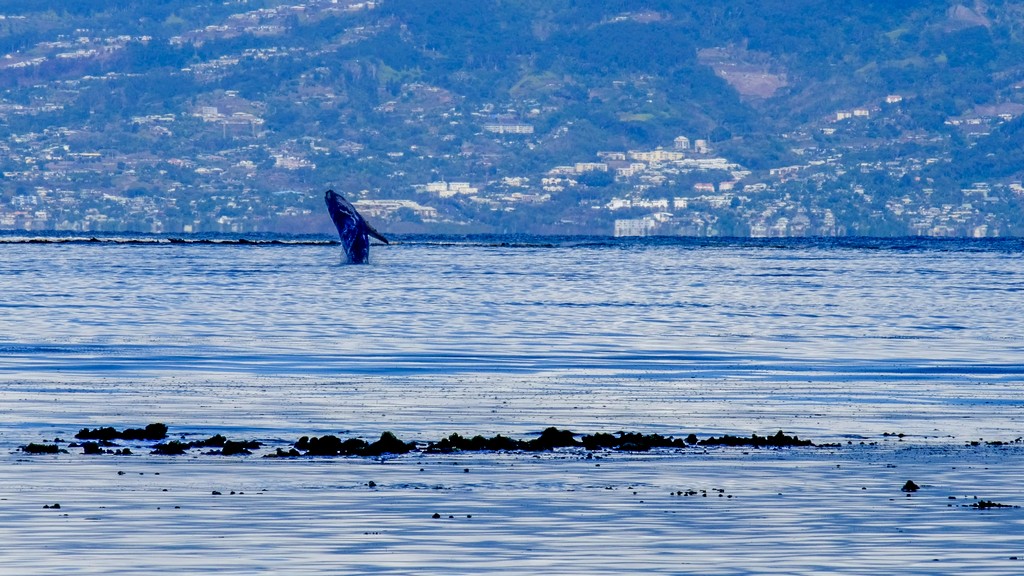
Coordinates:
[107,433]
[552,438]
[388,444]
[91,448]
[631,442]
[34,448]
[910,486]
[55,506]
[456,443]
[988,505]
[436,516]
[155,431]
[499,443]
[232,448]
[172,448]
[215,441]
[599,441]
[331,445]
[227,447]
[282,454]
[779,440]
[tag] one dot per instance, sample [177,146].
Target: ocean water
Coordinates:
[568,317]
[905,351]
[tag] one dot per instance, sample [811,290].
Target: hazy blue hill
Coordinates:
[386,96]
[832,56]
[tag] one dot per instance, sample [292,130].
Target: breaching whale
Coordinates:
[353,229]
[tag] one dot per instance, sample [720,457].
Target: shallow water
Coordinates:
[837,342]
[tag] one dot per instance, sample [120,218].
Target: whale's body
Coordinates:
[353,229]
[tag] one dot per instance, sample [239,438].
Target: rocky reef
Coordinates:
[551,438]
[103,440]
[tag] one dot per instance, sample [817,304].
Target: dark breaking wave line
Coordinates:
[152,241]
[513,241]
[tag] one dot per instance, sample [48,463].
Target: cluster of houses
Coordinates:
[681,188]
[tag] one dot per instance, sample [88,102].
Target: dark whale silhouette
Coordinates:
[353,229]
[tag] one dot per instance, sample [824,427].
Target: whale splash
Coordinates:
[353,229]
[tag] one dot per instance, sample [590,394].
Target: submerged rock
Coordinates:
[988,505]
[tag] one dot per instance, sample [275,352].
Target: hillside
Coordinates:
[712,118]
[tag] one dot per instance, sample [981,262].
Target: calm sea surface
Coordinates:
[900,355]
[546,315]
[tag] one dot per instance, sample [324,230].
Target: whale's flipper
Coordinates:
[373,232]
[353,230]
